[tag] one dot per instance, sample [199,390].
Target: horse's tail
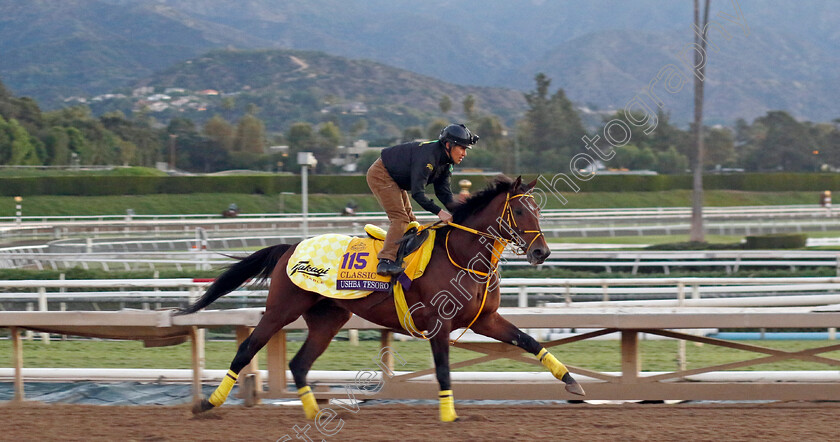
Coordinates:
[260,264]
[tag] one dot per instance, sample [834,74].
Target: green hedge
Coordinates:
[776,241]
[356,184]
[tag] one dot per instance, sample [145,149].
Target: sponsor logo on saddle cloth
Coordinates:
[344,267]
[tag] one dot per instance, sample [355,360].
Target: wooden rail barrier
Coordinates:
[159,327]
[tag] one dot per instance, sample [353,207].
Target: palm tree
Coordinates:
[697,231]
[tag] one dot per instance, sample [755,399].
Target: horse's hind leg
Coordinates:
[283,308]
[497,327]
[324,321]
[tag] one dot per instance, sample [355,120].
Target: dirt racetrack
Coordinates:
[792,421]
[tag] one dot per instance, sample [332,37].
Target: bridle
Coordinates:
[506,218]
[499,244]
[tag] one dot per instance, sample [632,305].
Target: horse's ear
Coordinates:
[532,184]
[517,183]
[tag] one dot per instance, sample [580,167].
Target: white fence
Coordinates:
[556,223]
[806,291]
[153,254]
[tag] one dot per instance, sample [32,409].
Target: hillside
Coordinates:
[749,76]
[53,50]
[290,86]
[600,51]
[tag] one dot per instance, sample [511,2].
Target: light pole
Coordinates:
[306,160]
[18,209]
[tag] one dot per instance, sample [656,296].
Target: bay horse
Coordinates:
[482,226]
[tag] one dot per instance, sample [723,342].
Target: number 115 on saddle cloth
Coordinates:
[344,267]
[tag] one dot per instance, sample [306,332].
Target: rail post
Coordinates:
[42,306]
[17,356]
[523,296]
[197,350]
[276,360]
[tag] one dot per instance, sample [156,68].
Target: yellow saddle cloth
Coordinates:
[344,267]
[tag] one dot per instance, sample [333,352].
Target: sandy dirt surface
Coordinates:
[792,421]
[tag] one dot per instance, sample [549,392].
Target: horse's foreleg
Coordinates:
[324,321]
[440,352]
[497,327]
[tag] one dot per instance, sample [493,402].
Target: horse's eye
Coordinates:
[517,212]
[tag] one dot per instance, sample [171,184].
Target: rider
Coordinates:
[411,167]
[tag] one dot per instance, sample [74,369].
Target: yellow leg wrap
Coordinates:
[447,406]
[220,395]
[310,407]
[552,364]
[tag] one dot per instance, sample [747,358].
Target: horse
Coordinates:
[503,213]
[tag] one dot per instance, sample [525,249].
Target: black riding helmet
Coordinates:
[458,134]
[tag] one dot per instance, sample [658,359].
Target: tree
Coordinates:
[220,131]
[57,146]
[551,130]
[358,127]
[697,230]
[301,138]
[469,106]
[779,142]
[228,104]
[434,129]
[16,145]
[671,161]
[720,147]
[411,134]
[250,135]
[493,150]
[366,160]
[148,141]
[329,137]
[445,104]
[128,152]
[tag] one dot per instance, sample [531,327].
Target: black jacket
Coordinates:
[415,165]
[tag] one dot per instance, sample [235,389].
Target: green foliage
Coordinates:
[777,141]
[445,104]
[551,130]
[366,160]
[250,135]
[776,241]
[695,245]
[17,147]
[220,131]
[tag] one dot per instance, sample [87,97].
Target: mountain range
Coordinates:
[601,52]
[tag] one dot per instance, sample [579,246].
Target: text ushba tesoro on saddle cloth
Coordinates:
[344,267]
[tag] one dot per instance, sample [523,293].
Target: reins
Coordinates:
[499,245]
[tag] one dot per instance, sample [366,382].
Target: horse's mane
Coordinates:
[481,199]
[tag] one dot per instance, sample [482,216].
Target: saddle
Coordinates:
[413,238]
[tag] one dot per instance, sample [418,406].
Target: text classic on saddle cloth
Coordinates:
[344,267]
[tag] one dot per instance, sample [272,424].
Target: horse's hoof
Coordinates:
[572,385]
[201,407]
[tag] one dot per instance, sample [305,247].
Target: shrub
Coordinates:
[776,241]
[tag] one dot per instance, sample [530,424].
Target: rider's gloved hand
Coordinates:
[445,216]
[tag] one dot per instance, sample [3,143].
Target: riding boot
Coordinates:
[387,267]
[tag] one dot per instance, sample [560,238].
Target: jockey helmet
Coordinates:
[458,134]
